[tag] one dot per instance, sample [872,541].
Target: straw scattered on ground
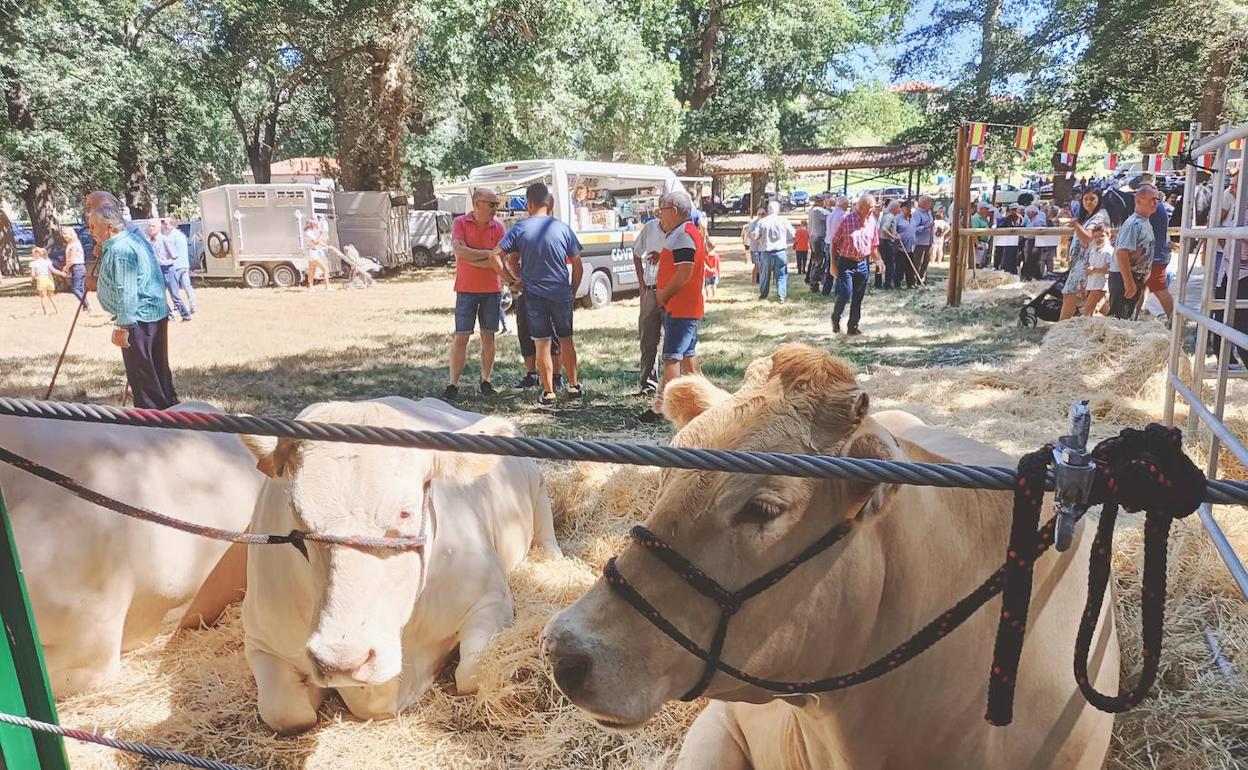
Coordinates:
[194,692]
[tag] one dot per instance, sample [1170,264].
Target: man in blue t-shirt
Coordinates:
[537,251]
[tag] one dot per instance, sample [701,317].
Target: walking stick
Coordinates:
[913,269]
[73,324]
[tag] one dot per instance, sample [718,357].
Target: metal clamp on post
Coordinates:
[1075,470]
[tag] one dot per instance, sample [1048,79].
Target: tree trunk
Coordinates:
[1088,99]
[987,51]
[37,193]
[1213,95]
[704,80]
[423,195]
[134,169]
[8,247]
[374,101]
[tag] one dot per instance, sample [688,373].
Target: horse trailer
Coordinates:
[255,232]
[375,223]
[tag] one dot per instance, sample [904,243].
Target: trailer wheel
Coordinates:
[422,257]
[218,244]
[285,275]
[600,290]
[255,277]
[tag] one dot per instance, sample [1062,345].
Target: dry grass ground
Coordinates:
[970,368]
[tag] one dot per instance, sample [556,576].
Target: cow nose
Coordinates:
[336,659]
[571,669]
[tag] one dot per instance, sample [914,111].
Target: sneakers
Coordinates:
[546,399]
[575,391]
[649,416]
[487,388]
[451,393]
[529,380]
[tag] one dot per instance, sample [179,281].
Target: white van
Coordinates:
[617,199]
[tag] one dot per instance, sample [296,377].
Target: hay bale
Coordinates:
[193,691]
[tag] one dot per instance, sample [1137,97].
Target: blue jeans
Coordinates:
[680,338]
[773,263]
[171,283]
[183,276]
[78,280]
[546,314]
[473,307]
[851,285]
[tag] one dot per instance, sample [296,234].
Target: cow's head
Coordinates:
[366,595]
[736,527]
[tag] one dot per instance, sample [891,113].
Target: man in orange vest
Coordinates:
[682,269]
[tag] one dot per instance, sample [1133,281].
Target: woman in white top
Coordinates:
[940,229]
[318,264]
[75,265]
[41,270]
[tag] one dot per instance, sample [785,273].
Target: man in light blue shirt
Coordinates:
[165,257]
[1133,255]
[130,286]
[923,226]
[181,250]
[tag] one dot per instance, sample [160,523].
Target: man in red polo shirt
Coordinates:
[682,269]
[477,286]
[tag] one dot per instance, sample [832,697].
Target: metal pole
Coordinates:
[24,687]
[1177,320]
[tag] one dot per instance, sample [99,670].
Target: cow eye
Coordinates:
[758,512]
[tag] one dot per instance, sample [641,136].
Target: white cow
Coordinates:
[102,583]
[379,625]
[911,554]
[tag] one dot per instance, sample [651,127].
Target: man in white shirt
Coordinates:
[773,233]
[838,212]
[646,248]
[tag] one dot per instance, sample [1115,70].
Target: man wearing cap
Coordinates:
[1133,255]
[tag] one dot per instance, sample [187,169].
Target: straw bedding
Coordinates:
[194,692]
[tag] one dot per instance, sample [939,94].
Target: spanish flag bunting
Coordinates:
[1152,163]
[1072,140]
[1238,144]
[1111,161]
[1024,137]
[1207,159]
[1174,143]
[976,134]
[1126,136]
[977,152]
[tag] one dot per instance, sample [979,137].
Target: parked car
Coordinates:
[732,202]
[430,236]
[889,193]
[800,198]
[23,235]
[1005,194]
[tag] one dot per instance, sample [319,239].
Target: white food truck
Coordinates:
[605,203]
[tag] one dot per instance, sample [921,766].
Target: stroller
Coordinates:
[1045,306]
[361,267]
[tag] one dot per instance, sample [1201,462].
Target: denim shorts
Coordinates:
[680,338]
[545,313]
[471,307]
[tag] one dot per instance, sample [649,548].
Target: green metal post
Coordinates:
[24,687]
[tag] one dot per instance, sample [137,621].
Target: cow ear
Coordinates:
[687,397]
[462,466]
[875,444]
[273,455]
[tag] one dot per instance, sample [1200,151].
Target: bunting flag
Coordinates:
[1152,163]
[1238,144]
[1072,140]
[976,134]
[1067,159]
[1126,136]
[977,152]
[1025,156]
[1173,144]
[1207,159]
[1111,161]
[1024,137]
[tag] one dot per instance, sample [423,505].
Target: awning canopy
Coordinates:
[826,159]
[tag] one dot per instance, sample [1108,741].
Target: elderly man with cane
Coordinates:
[130,286]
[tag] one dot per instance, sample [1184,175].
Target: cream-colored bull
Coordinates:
[378,625]
[101,583]
[913,552]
